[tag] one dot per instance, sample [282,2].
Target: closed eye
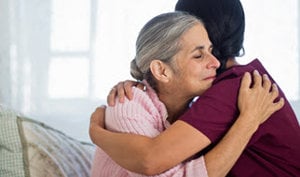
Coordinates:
[198,56]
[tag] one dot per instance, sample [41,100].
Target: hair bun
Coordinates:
[135,71]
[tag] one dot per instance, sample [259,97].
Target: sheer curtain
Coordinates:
[59,58]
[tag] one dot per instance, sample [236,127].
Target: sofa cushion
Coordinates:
[29,148]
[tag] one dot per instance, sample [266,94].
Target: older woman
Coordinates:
[174,60]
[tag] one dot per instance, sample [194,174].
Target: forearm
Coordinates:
[123,147]
[150,156]
[224,155]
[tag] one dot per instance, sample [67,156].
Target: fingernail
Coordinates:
[266,76]
[256,72]
[122,100]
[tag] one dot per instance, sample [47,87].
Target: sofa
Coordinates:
[29,148]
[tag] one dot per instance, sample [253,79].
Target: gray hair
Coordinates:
[159,39]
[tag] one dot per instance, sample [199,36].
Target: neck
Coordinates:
[231,62]
[176,106]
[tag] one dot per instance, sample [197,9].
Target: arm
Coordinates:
[123,119]
[154,155]
[142,154]
[234,142]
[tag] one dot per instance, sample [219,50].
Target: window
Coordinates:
[79,49]
[117,31]
[70,49]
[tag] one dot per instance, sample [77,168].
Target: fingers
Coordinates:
[246,81]
[278,105]
[98,116]
[128,84]
[257,79]
[274,91]
[259,100]
[120,92]
[117,91]
[271,90]
[270,93]
[273,107]
[266,82]
[111,97]
[141,86]
[96,121]
[123,90]
[274,95]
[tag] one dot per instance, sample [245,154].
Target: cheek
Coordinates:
[193,74]
[197,72]
[199,81]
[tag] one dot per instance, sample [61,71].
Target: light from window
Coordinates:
[117,30]
[70,25]
[68,78]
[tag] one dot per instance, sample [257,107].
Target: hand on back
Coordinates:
[258,101]
[122,90]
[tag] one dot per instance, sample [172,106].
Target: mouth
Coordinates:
[210,78]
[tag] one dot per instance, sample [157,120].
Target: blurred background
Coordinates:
[59,58]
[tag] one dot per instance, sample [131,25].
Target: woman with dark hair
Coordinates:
[272,150]
[225,24]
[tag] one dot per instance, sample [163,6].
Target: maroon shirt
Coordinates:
[274,150]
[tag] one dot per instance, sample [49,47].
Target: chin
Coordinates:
[207,86]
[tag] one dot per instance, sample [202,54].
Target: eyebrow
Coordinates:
[198,48]
[201,47]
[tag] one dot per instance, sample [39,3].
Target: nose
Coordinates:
[213,62]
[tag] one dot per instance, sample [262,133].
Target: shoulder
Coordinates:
[142,107]
[140,99]
[139,115]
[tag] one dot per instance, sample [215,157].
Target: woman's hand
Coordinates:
[256,105]
[122,90]
[97,121]
[258,101]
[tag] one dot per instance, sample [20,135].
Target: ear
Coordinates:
[160,70]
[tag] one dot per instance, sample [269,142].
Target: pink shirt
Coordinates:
[144,115]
